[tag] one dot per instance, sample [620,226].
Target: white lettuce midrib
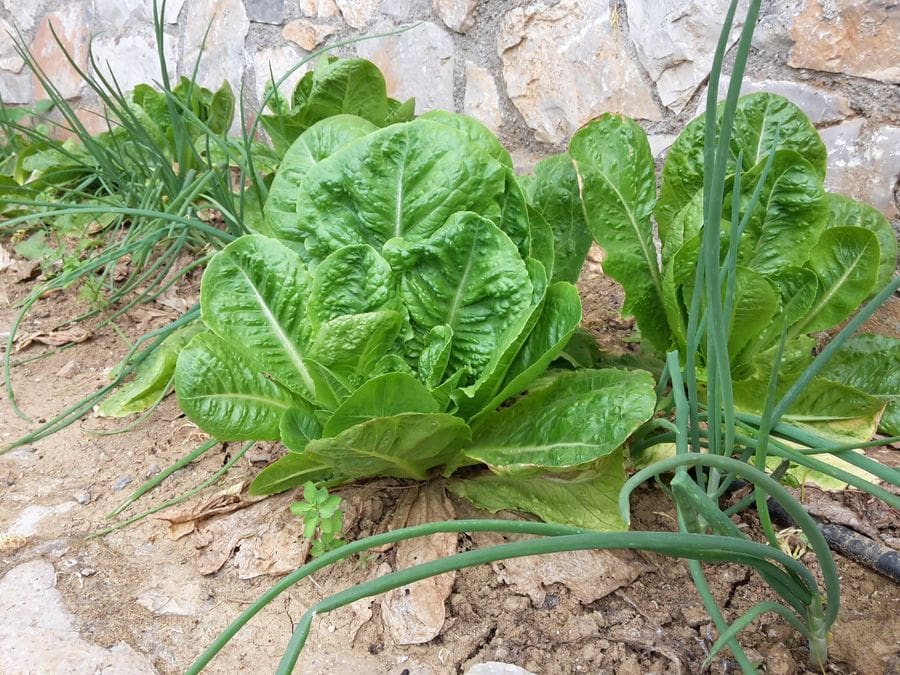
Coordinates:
[295,357]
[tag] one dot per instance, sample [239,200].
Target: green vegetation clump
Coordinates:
[385,296]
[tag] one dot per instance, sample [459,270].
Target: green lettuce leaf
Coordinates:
[153,378]
[553,191]
[588,499]
[400,446]
[402,181]
[225,395]
[468,275]
[846,263]
[789,216]
[830,408]
[350,347]
[318,142]
[579,418]
[871,363]
[290,471]
[615,165]
[383,396]
[253,296]
[846,212]
[762,122]
[352,280]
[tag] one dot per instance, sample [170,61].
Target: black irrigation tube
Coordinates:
[846,541]
[849,543]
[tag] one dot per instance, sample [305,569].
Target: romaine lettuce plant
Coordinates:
[407,291]
[805,259]
[334,87]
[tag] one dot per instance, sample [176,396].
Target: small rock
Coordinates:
[396,9]
[87,571]
[68,370]
[219,27]
[153,470]
[694,616]
[83,497]
[780,662]
[457,15]
[675,41]
[276,61]
[38,634]
[630,666]
[863,161]
[121,482]
[820,105]
[265,11]
[11,542]
[516,604]
[319,9]
[307,34]
[357,13]
[497,668]
[70,23]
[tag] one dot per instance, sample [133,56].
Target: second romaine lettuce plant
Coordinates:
[805,258]
[407,295]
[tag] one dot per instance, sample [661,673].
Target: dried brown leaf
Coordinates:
[362,608]
[266,537]
[822,505]
[146,313]
[275,548]
[21,271]
[415,614]
[589,575]
[56,338]
[171,299]
[232,498]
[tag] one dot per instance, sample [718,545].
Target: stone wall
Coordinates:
[532,70]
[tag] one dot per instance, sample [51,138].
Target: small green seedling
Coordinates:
[323,521]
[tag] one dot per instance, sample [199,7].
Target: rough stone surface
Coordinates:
[418,62]
[28,522]
[223,53]
[820,105]
[71,25]
[39,635]
[497,668]
[482,100]
[308,34]
[675,41]
[173,9]
[565,64]
[855,37]
[320,9]
[123,14]
[15,83]
[864,163]
[458,15]
[396,9]
[771,34]
[357,13]
[133,59]
[265,11]
[659,143]
[277,61]
[24,13]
